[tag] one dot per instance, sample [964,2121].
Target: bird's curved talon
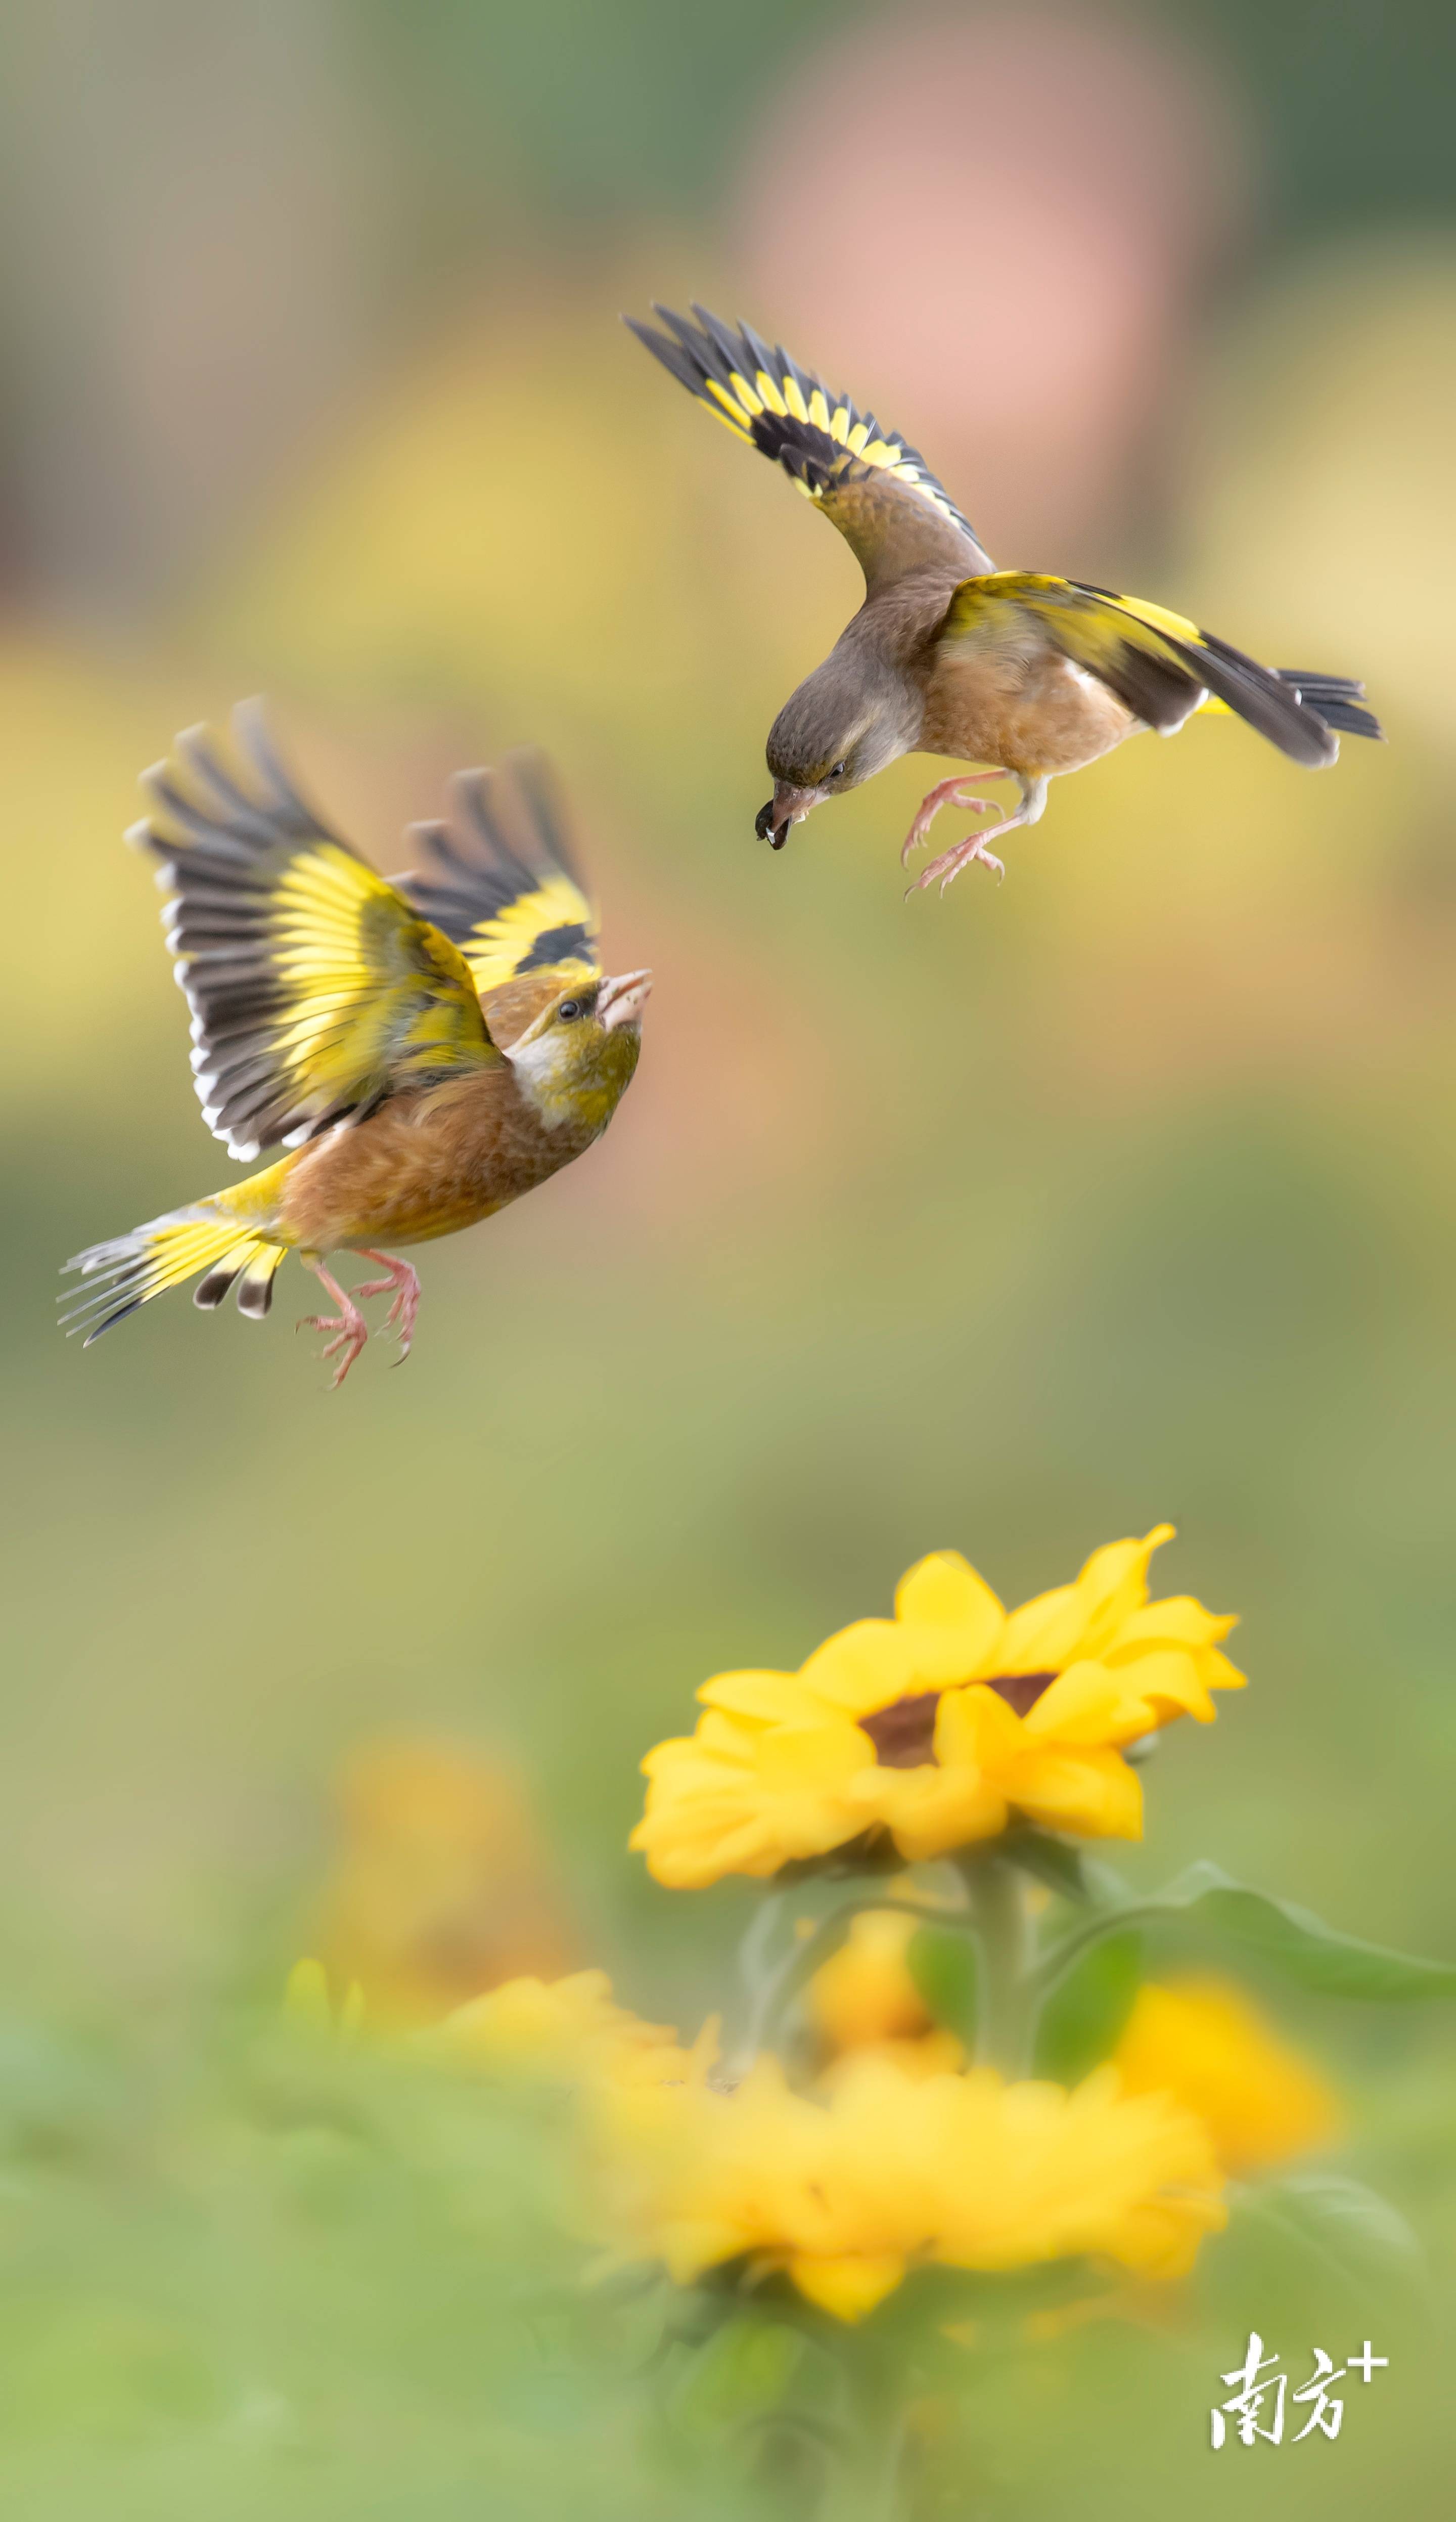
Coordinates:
[977,858]
[971,852]
[351,1331]
[404,1285]
[949,792]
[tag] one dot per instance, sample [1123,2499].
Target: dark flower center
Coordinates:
[1022,1690]
[904,1733]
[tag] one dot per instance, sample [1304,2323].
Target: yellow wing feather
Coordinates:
[1160,666]
[315,989]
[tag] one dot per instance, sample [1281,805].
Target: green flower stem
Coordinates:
[873,2490]
[872,2487]
[758,1941]
[1007,1998]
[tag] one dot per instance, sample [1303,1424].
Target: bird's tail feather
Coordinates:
[130,1269]
[1335,698]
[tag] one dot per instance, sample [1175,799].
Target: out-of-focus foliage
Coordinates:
[1350,110]
[249,2265]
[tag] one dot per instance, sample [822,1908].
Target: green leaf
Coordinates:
[1084,2017]
[1337,2222]
[742,2372]
[1294,1941]
[941,1961]
[873,1852]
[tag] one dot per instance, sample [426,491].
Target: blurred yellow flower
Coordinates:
[864,1992]
[1204,2043]
[887,2171]
[569,2031]
[440,1886]
[939,1726]
[562,2031]
[864,1998]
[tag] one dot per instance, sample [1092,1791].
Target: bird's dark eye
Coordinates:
[839,771]
[569,1011]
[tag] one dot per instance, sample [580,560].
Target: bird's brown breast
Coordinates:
[1017,702]
[425,1165]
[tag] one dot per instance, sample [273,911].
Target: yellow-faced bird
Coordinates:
[1026,675]
[424,1050]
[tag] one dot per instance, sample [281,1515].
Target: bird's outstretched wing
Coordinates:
[886,502]
[315,990]
[499,877]
[1160,666]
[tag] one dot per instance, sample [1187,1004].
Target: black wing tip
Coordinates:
[696,351]
[530,838]
[238,804]
[704,355]
[643,332]
[679,352]
[245,801]
[509,829]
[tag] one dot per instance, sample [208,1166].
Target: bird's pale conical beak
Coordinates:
[788,805]
[620,1001]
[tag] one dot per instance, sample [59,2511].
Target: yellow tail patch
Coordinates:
[128,1269]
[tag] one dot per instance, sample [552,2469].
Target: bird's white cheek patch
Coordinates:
[542,1069]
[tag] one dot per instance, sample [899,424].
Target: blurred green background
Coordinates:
[1011,1223]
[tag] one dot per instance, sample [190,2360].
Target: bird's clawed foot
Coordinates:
[350,1330]
[402,1282]
[950,792]
[971,852]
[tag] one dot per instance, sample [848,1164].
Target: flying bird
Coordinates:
[424,1050]
[1026,675]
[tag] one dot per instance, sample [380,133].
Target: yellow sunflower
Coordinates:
[939,1727]
[889,2171]
[1214,2052]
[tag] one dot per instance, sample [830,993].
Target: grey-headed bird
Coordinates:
[1024,675]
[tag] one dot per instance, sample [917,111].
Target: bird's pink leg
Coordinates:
[349,1325]
[972,850]
[406,1289]
[949,792]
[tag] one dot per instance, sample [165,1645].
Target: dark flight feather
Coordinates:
[499,878]
[903,517]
